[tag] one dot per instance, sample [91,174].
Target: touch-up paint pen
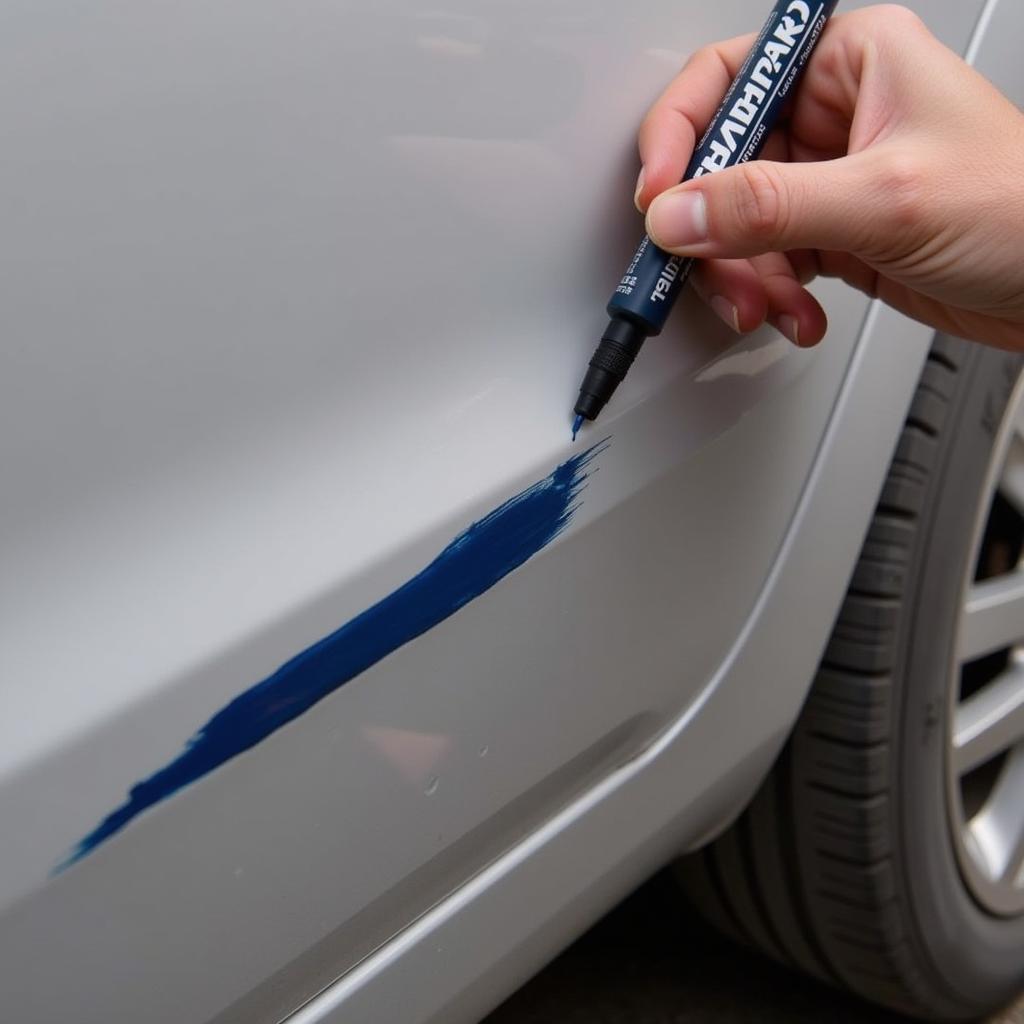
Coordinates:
[654,278]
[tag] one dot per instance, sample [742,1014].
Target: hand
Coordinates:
[898,169]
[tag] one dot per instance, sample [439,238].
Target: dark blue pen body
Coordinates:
[737,133]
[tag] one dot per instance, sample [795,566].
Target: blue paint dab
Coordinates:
[469,566]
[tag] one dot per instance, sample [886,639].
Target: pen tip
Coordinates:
[576,424]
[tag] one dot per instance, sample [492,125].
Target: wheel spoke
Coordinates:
[994,616]
[1018,421]
[1011,482]
[1013,876]
[991,720]
[998,828]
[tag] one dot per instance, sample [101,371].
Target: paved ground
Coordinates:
[650,963]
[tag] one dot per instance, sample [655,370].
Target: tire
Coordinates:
[847,864]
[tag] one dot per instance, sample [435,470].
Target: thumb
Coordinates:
[764,206]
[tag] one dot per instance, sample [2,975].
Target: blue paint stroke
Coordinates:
[469,566]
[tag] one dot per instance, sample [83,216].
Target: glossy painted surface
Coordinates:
[454,964]
[476,560]
[291,297]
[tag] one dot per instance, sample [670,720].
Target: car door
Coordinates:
[296,299]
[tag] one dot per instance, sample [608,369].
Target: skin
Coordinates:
[897,169]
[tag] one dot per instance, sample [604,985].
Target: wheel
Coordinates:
[885,850]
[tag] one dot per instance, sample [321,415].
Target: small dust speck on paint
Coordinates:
[483,751]
[432,783]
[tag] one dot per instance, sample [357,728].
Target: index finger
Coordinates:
[679,116]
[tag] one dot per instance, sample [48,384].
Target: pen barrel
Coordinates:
[737,133]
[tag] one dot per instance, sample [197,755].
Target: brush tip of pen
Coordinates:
[576,424]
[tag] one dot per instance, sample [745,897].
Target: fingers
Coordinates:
[745,293]
[671,128]
[734,291]
[821,118]
[764,206]
[792,309]
[853,271]
[805,263]
[864,187]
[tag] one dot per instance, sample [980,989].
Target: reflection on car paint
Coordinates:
[471,564]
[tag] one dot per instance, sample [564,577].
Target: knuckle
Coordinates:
[894,18]
[761,202]
[701,57]
[890,26]
[905,181]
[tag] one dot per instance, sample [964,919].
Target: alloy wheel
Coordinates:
[985,753]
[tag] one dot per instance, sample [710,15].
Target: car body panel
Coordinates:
[471,951]
[291,300]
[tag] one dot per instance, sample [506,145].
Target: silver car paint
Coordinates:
[291,296]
